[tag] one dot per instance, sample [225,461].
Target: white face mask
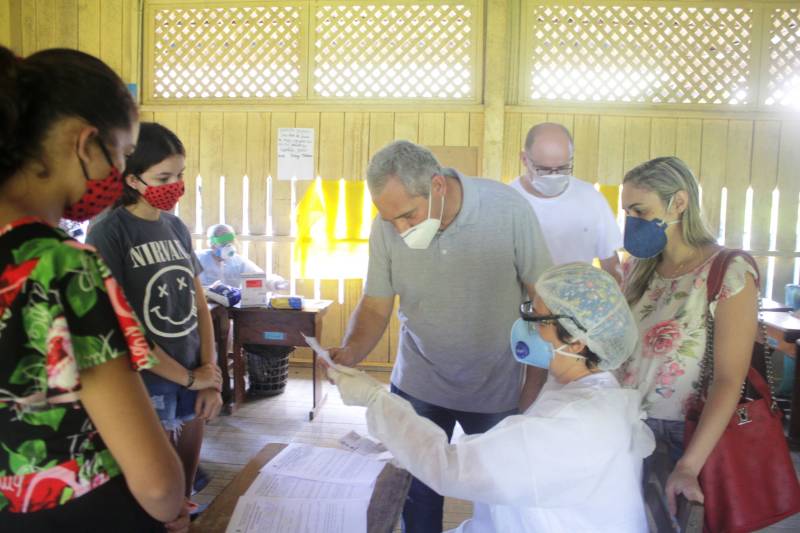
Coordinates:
[551,184]
[226,252]
[419,237]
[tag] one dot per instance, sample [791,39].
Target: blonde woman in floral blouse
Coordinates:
[665,283]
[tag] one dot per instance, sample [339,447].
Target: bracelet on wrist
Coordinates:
[191,379]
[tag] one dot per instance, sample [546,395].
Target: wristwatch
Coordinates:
[191,379]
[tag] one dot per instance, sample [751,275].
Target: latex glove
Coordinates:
[355,386]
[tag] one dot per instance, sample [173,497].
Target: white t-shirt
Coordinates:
[577,225]
[229,271]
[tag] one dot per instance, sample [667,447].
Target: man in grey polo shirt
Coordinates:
[461,253]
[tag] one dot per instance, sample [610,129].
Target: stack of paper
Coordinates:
[306,489]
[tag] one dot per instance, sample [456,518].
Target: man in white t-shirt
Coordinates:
[575,218]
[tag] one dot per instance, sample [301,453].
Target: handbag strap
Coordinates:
[716,276]
[719,266]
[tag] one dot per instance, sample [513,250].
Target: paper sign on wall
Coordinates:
[295,153]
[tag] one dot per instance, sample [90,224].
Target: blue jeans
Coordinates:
[670,433]
[423,509]
[173,403]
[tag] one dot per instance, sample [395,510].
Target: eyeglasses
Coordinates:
[527,314]
[544,171]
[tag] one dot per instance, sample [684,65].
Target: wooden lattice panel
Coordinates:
[783,87]
[227,52]
[639,53]
[423,50]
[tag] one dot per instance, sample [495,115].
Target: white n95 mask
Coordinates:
[419,237]
[551,184]
[226,252]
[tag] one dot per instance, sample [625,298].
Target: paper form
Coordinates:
[317,347]
[257,515]
[324,464]
[274,485]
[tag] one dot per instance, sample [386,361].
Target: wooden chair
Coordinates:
[690,514]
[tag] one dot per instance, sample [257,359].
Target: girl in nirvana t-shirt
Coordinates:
[149,250]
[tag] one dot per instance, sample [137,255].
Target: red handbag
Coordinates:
[748,481]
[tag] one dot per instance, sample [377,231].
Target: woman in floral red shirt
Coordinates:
[80,447]
[666,287]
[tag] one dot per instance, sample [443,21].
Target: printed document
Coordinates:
[256,515]
[308,489]
[324,464]
[272,485]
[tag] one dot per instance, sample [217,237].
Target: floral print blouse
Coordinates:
[671,315]
[60,313]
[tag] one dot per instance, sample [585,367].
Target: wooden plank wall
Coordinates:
[108,29]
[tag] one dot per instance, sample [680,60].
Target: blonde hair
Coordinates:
[665,176]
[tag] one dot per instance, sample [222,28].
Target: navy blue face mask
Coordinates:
[645,238]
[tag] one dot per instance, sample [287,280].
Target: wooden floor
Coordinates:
[231,441]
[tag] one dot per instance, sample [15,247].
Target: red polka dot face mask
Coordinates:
[163,197]
[99,193]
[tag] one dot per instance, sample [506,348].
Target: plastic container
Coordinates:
[792,296]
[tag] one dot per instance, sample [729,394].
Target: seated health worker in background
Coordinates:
[572,461]
[223,263]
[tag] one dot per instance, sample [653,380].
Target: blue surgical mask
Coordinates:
[645,238]
[531,349]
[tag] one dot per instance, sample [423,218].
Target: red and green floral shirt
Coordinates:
[60,312]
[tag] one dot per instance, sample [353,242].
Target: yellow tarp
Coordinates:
[333,223]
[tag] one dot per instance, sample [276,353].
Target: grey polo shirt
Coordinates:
[459,298]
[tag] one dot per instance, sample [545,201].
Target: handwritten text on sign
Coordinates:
[295,153]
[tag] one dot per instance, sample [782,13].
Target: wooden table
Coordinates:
[277,327]
[771,306]
[783,332]
[384,509]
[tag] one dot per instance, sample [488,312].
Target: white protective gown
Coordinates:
[571,463]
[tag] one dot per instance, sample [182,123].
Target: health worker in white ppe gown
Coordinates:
[572,461]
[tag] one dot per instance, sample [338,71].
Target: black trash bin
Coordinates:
[267,369]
